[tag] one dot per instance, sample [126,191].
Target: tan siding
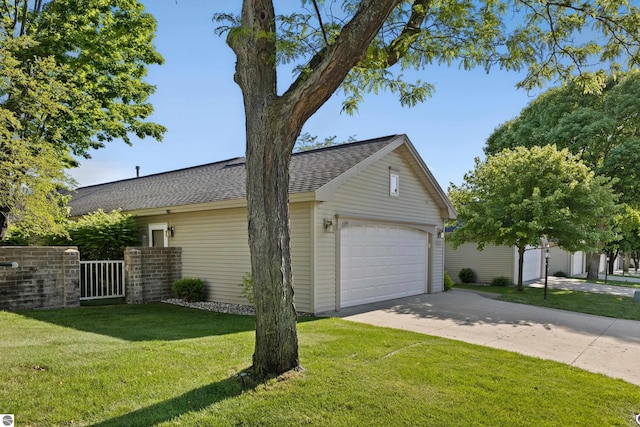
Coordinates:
[301,255]
[366,195]
[215,248]
[437,265]
[489,263]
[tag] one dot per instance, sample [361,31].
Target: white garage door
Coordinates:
[381,262]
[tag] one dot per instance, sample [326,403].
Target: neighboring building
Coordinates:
[571,264]
[494,261]
[367,221]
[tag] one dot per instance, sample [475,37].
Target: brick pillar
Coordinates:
[71,278]
[133,273]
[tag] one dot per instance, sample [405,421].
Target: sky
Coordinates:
[201,106]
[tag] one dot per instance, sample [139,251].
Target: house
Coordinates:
[494,261]
[367,221]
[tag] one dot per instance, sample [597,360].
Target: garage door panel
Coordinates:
[380,263]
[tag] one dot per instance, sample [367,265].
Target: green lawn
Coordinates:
[150,365]
[582,302]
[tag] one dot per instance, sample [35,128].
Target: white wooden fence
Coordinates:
[101,279]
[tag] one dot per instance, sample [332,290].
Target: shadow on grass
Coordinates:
[192,401]
[144,322]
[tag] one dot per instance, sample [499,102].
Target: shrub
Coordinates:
[560,274]
[501,281]
[448,282]
[98,235]
[247,287]
[104,235]
[467,275]
[189,289]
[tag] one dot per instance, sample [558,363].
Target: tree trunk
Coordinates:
[276,347]
[627,261]
[4,222]
[272,125]
[594,266]
[612,260]
[268,154]
[520,266]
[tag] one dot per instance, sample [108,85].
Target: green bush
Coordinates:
[501,281]
[467,275]
[448,282]
[560,274]
[247,288]
[103,236]
[98,235]
[189,289]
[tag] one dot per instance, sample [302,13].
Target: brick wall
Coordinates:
[151,272]
[47,277]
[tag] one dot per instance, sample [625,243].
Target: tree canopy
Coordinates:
[518,197]
[601,129]
[71,78]
[363,47]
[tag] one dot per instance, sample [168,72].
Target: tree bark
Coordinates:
[521,250]
[4,221]
[594,266]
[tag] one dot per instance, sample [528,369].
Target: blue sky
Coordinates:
[200,104]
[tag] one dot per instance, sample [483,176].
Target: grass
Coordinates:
[582,302]
[163,365]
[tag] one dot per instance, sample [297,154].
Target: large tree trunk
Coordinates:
[276,348]
[267,167]
[594,266]
[272,125]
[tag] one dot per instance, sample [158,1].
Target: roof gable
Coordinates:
[326,192]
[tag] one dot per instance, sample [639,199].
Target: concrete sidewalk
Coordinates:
[568,283]
[594,343]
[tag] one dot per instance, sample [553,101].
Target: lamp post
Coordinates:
[546,271]
[606,269]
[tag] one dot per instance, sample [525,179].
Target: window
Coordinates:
[158,235]
[394,184]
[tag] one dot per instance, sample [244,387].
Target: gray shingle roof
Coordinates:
[219,181]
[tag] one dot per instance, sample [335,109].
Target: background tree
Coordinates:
[518,197]
[306,142]
[602,129]
[363,48]
[71,78]
[627,240]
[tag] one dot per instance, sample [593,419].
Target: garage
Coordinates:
[381,262]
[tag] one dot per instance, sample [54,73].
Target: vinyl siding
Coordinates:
[366,195]
[215,248]
[491,262]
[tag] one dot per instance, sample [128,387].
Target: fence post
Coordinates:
[71,278]
[133,273]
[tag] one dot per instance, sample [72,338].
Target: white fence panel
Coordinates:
[101,279]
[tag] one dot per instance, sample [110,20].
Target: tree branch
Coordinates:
[329,67]
[324,33]
[400,45]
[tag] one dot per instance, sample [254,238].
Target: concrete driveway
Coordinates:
[594,343]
